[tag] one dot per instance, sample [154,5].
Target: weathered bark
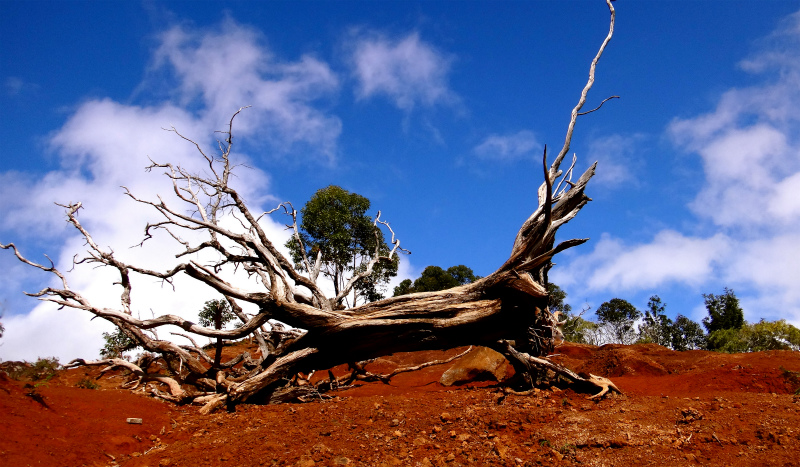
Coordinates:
[507,310]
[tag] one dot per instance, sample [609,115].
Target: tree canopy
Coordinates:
[216,313]
[434,278]
[337,233]
[117,343]
[619,315]
[761,336]
[656,327]
[724,312]
[686,334]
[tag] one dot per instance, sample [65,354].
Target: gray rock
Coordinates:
[480,364]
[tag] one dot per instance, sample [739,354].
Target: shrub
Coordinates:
[42,370]
[117,343]
[87,383]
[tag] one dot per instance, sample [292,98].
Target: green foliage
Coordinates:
[87,383]
[404,288]
[575,328]
[793,378]
[435,278]
[687,334]
[117,343]
[216,313]
[761,336]
[657,328]
[619,316]
[727,340]
[773,335]
[581,331]
[556,300]
[335,224]
[462,274]
[724,312]
[44,369]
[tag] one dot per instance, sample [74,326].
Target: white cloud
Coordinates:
[616,156]
[409,71]
[784,205]
[750,153]
[670,257]
[742,166]
[105,144]
[231,67]
[772,265]
[522,144]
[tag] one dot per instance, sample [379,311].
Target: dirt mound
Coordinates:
[617,360]
[679,408]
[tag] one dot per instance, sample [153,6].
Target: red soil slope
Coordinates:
[679,408]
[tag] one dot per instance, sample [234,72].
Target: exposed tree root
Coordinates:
[531,363]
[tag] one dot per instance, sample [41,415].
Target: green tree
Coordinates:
[656,328]
[462,274]
[618,316]
[216,313]
[556,299]
[405,287]
[117,343]
[724,312]
[727,340]
[575,328]
[687,334]
[773,335]
[581,331]
[336,230]
[434,278]
[761,336]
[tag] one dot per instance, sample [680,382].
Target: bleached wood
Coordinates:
[506,310]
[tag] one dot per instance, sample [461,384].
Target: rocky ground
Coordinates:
[679,408]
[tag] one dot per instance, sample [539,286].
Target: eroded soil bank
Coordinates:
[679,408]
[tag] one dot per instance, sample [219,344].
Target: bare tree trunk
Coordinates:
[506,310]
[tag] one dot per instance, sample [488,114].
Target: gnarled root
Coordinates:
[177,393]
[604,384]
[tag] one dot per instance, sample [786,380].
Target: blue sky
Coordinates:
[437,112]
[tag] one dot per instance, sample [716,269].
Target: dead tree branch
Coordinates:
[506,310]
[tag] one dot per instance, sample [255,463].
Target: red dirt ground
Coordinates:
[679,408]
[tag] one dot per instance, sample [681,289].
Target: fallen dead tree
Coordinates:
[506,311]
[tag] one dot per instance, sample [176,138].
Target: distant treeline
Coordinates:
[723,330]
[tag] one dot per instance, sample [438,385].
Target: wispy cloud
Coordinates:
[231,66]
[409,71]
[15,86]
[618,158]
[522,144]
